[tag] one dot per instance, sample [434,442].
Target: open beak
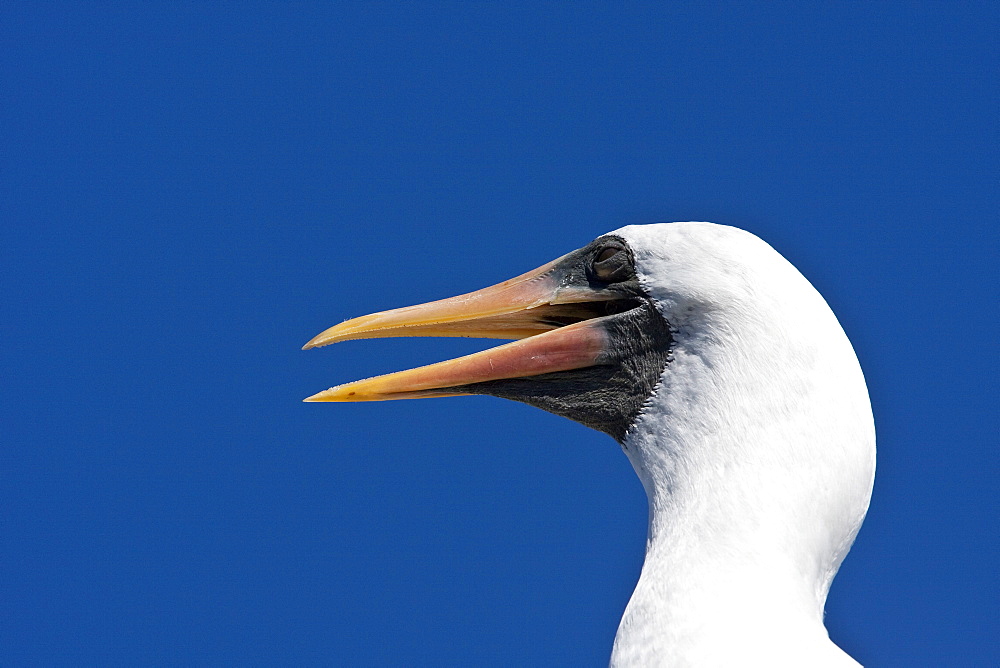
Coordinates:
[558,326]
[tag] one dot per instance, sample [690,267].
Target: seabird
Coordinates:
[731,387]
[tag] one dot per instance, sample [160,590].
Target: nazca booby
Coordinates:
[733,390]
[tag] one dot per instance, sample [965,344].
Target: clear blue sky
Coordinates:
[190,193]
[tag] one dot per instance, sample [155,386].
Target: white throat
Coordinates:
[757,456]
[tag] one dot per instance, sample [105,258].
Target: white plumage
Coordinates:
[757,453]
[756,445]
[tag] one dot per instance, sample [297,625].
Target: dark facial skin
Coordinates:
[607,397]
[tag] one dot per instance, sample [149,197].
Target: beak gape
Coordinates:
[558,327]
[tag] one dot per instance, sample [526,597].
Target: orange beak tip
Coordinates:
[314,342]
[319,396]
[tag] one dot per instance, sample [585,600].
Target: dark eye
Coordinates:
[607,254]
[613,264]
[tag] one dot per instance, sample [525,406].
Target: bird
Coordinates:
[733,390]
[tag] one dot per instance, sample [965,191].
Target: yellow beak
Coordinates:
[556,326]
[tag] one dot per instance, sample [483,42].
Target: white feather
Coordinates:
[757,453]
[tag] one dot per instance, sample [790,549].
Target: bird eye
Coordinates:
[607,253]
[613,264]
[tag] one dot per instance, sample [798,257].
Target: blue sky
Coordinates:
[190,193]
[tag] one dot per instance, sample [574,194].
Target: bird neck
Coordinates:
[755,495]
[714,594]
[715,591]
